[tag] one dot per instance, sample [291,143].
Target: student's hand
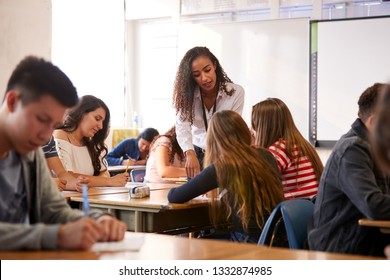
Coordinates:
[81,234]
[80,181]
[130,162]
[192,164]
[119,180]
[61,184]
[387,252]
[112,229]
[140,162]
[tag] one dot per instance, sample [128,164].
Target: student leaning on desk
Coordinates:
[249,177]
[133,151]
[166,158]
[80,143]
[65,181]
[33,214]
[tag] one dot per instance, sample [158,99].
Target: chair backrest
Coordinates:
[294,215]
[137,175]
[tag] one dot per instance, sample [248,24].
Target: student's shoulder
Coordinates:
[60,134]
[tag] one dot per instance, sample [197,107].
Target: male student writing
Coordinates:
[33,214]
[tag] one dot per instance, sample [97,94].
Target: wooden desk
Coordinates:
[165,247]
[95,191]
[154,186]
[154,213]
[384,226]
[122,168]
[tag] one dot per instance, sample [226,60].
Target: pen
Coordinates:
[128,162]
[54,173]
[85,200]
[127,166]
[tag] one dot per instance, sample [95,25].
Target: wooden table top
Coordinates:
[158,200]
[122,168]
[95,191]
[111,190]
[181,248]
[384,225]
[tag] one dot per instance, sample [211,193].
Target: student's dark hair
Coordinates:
[36,77]
[171,134]
[184,86]
[95,145]
[368,101]
[148,134]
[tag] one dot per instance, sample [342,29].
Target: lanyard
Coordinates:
[204,111]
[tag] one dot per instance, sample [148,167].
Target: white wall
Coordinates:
[88,45]
[268,58]
[25,28]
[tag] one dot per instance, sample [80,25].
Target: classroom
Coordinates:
[311,58]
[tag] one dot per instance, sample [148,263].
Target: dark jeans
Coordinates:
[200,155]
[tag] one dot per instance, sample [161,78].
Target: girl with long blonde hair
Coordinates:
[248,178]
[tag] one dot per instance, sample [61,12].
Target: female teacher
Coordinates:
[201,88]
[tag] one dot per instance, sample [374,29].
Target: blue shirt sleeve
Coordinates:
[125,147]
[49,150]
[200,184]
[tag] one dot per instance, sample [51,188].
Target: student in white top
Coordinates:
[80,142]
[201,88]
[65,181]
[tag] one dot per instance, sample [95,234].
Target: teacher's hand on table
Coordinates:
[192,164]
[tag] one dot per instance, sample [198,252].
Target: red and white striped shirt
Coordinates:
[298,178]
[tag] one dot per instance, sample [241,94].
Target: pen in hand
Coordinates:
[127,166]
[85,200]
[54,173]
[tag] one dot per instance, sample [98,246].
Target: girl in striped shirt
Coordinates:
[298,161]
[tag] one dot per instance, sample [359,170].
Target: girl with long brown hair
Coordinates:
[80,142]
[298,161]
[247,179]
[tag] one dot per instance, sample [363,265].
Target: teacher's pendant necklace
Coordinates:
[204,110]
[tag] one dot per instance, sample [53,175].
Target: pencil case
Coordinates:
[139,191]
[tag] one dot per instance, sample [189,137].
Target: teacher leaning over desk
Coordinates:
[201,88]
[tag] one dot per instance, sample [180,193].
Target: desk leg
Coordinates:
[138,221]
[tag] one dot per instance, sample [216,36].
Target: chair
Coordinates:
[137,175]
[289,218]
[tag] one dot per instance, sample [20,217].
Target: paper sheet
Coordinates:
[131,242]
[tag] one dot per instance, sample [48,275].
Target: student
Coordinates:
[298,161]
[64,180]
[352,187]
[381,138]
[166,159]
[249,177]
[80,143]
[201,88]
[134,150]
[33,214]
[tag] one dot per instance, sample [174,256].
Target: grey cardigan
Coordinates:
[47,209]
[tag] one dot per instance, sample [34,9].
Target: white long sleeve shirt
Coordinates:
[188,135]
